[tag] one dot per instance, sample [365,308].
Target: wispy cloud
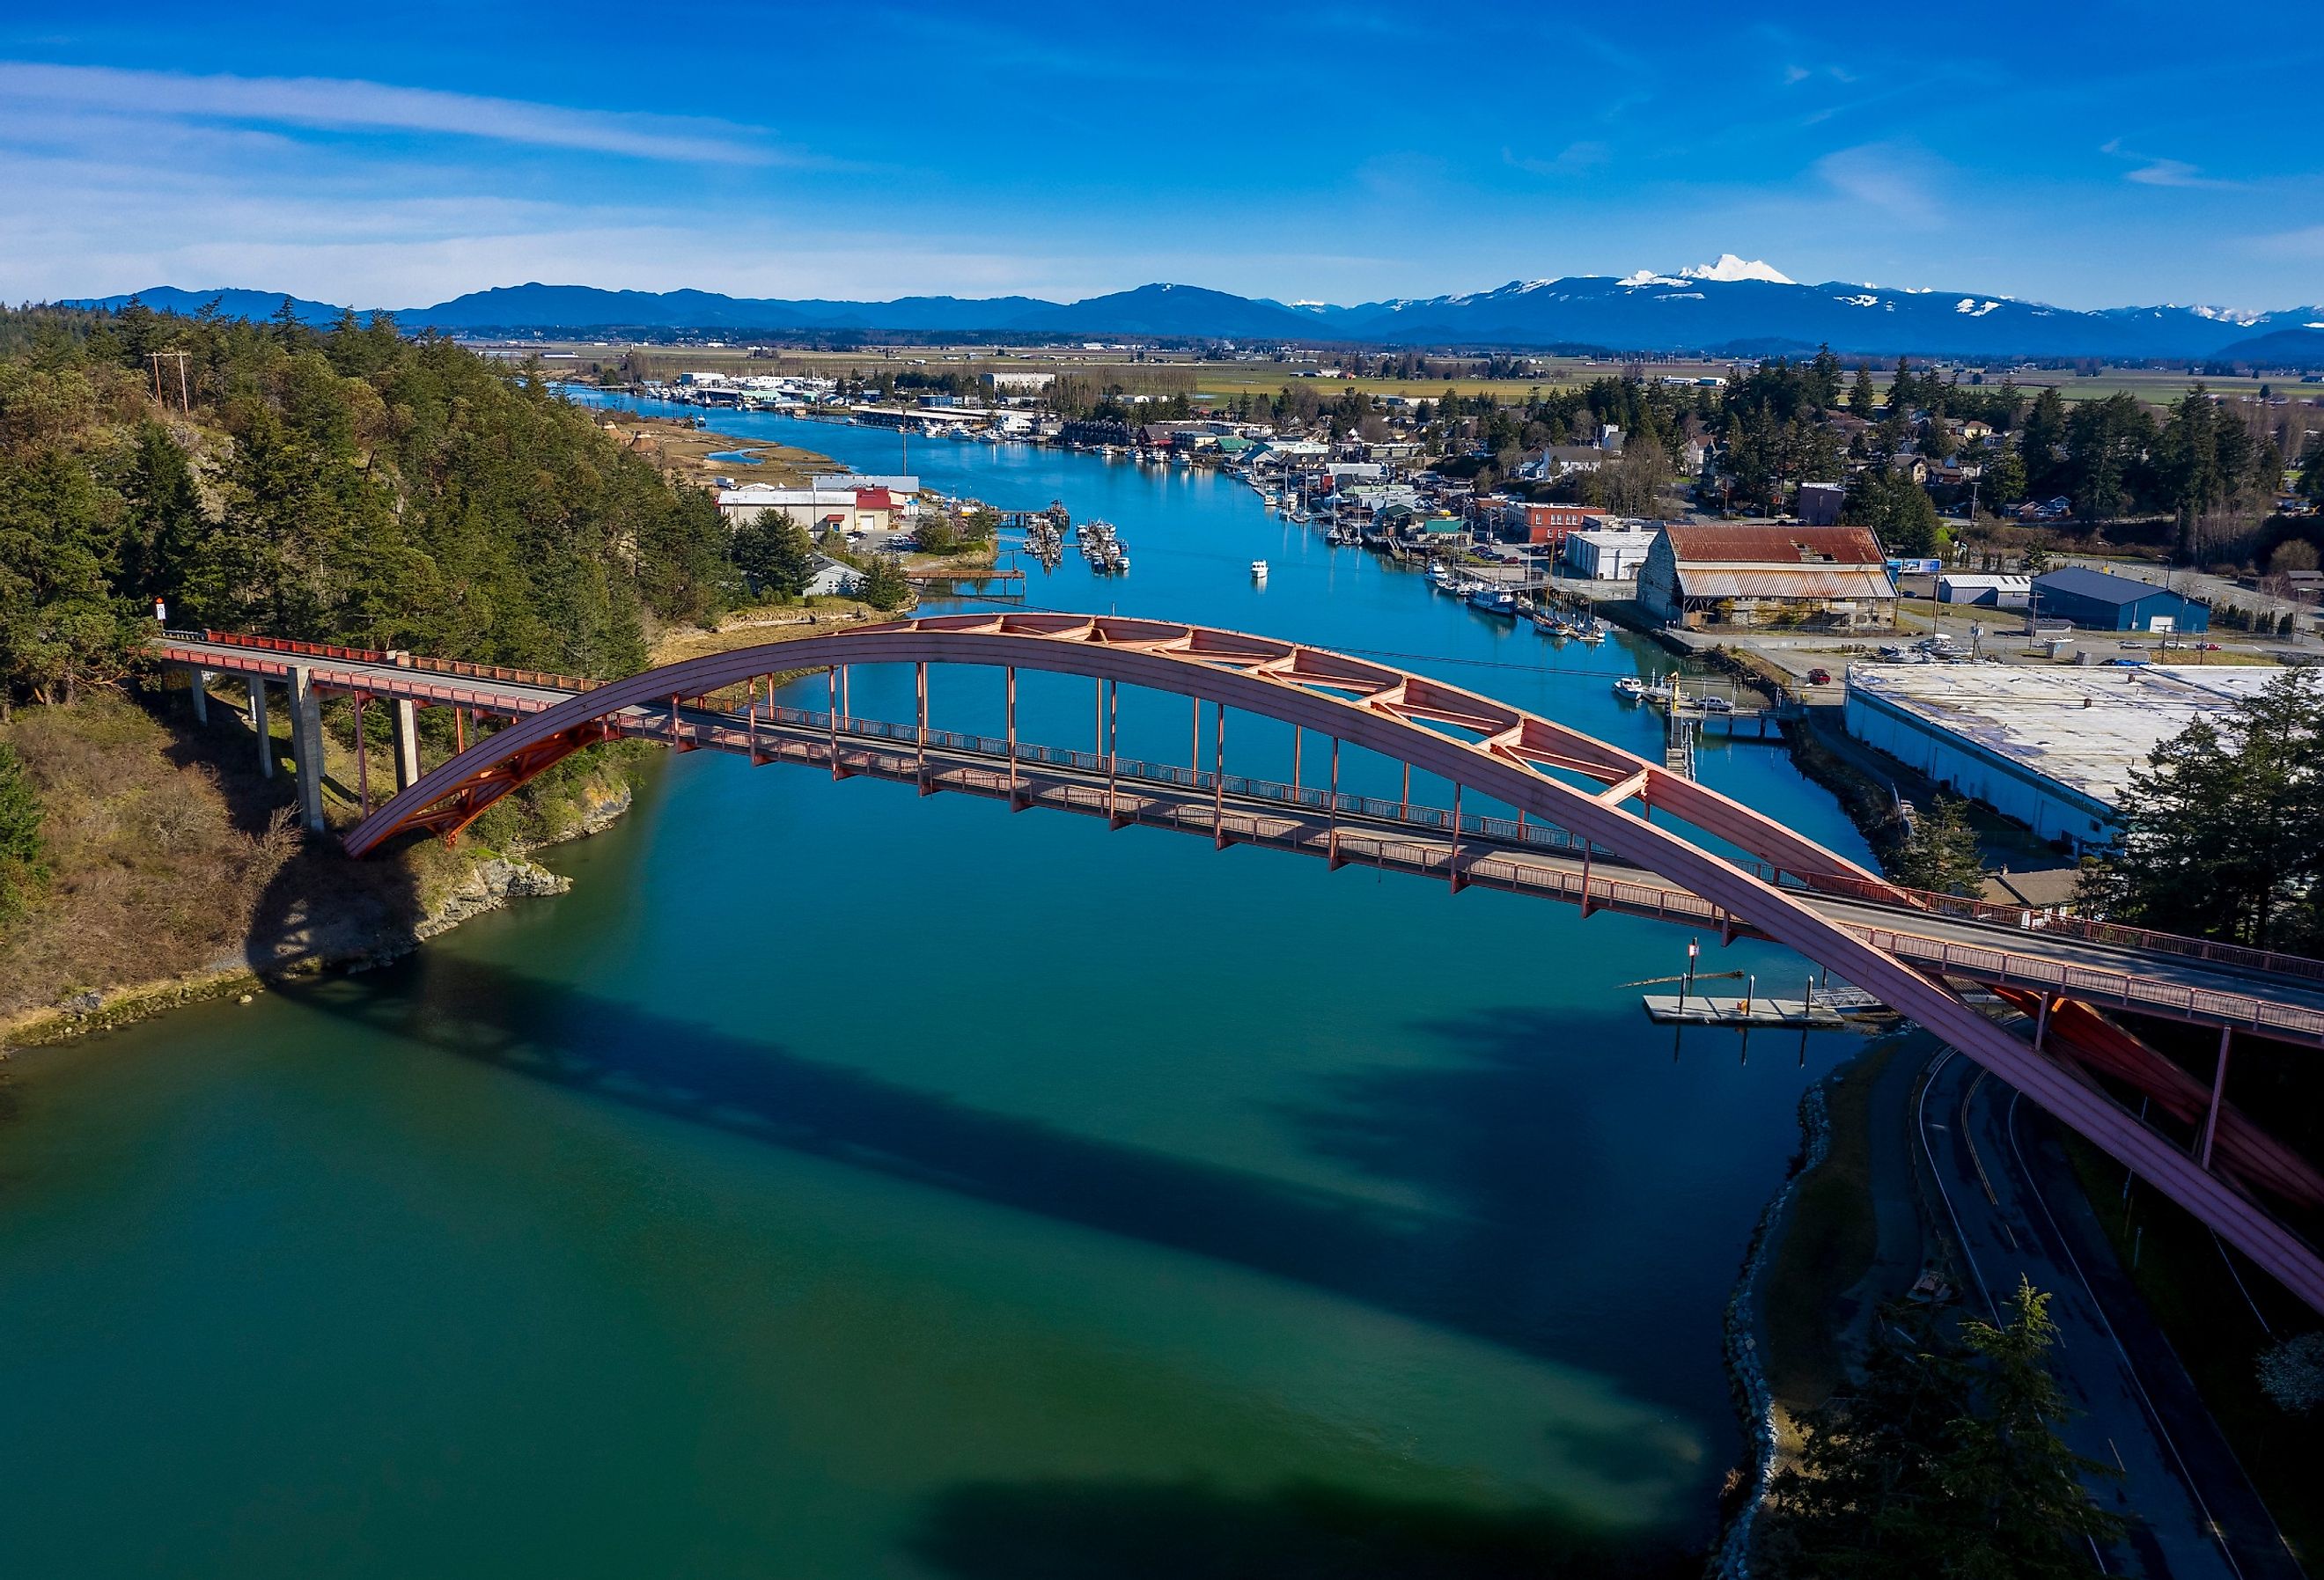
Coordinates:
[1573,160]
[1901,182]
[2152,172]
[31,92]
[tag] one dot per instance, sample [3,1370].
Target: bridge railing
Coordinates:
[1501,830]
[2046,919]
[283,644]
[1509,831]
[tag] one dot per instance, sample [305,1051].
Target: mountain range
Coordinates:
[1732,308]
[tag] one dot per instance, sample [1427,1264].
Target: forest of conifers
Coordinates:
[345,484]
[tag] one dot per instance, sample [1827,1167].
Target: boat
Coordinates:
[1259,571]
[1493,600]
[1592,632]
[1551,623]
[1630,689]
[1441,577]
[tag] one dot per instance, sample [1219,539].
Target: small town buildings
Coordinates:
[1548,524]
[2053,747]
[1608,556]
[901,483]
[2099,600]
[1728,573]
[1819,504]
[818,510]
[1991,592]
[1012,382]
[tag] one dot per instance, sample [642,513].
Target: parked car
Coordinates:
[1715,705]
[1818,676]
[2126,664]
[2207,647]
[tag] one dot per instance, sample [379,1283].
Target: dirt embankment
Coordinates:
[177,871]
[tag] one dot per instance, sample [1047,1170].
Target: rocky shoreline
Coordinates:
[1755,1402]
[488,885]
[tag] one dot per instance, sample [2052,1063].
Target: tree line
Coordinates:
[347,485]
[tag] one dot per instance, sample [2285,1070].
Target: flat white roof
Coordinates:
[2085,727]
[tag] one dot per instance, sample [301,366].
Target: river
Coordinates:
[840,1183]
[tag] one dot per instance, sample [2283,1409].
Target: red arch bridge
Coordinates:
[1585,832]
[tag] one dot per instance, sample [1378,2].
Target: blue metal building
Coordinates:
[2097,600]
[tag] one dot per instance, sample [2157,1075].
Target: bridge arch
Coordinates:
[1502,752]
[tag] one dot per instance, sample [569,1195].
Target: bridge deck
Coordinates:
[2178,983]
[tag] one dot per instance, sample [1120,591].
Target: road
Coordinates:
[2008,1196]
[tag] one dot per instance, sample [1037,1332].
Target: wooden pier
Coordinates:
[1702,1010]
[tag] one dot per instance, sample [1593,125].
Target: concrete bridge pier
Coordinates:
[201,697]
[258,725]
[405,714]
[307,746]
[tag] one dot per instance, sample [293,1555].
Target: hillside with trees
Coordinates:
[342,484]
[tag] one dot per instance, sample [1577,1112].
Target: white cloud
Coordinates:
[32,93]
[1900,182]
[2164,173]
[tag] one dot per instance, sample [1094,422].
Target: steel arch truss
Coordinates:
[1515,757]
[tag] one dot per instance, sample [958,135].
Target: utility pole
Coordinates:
[185,394]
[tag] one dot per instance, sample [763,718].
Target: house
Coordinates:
[1819,504]
[1991,592]
[1001,381]
[1768,574]
[2099,600]
[1608,556]
[826,578]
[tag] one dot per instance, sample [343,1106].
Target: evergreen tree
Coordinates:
[1861,399]
[2042,444]
[2223,831]
[884,586]
[776,553]
[1940,854]
[1944,1460]
[162,526]
[1898,509]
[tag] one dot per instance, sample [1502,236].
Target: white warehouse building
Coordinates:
[2052,748]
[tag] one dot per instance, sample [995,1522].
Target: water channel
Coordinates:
[839,1183]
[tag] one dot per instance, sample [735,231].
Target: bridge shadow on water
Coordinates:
[1494,1139]
[1475,1268]
[1160,1530]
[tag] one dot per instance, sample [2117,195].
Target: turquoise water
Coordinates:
[840,1182]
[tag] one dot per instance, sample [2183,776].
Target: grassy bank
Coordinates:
[175,870]
[1827,1246]
[2207,1313]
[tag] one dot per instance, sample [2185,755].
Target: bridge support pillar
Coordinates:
[260,726]
[307,746]
[404,715]
[201,697]
[2218,1094]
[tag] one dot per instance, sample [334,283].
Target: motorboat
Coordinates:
[1630,689]
[1259,571]
[1492,600]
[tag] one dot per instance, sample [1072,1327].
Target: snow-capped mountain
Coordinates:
[1733,307]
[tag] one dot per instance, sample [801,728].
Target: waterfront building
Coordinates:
[1608,555]
[2052,748]
[1728,573]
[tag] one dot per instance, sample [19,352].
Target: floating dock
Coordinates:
[1703,1009]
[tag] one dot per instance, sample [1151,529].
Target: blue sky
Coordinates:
[2085,155]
